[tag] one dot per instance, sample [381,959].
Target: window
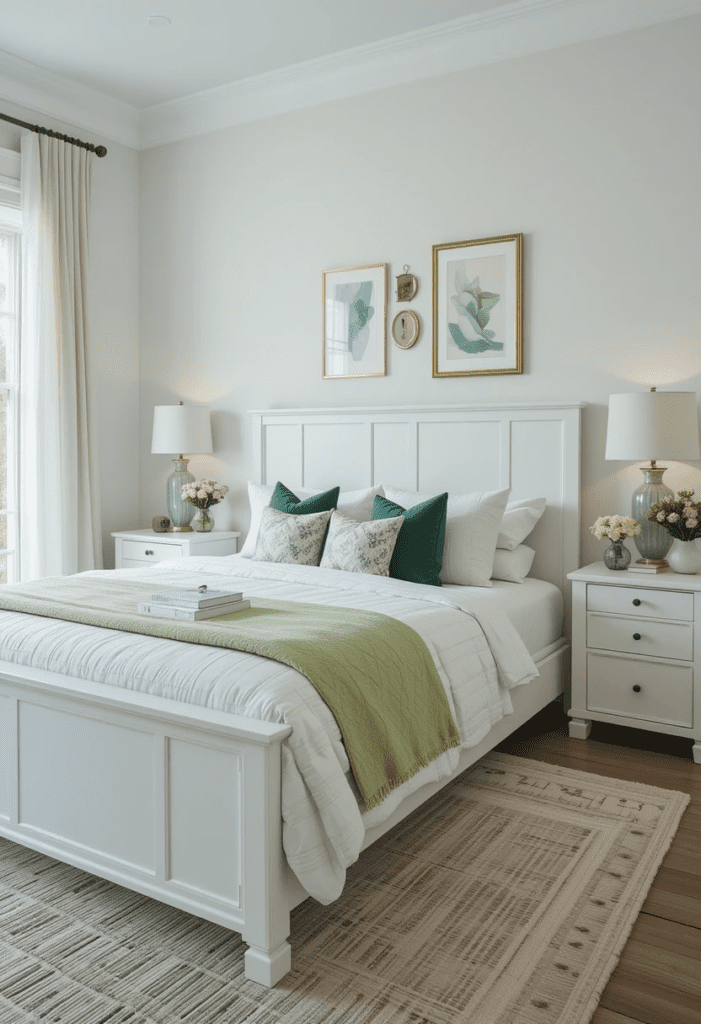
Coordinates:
[10,237]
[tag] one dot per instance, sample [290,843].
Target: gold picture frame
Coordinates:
[354,322]
[406,328]
[478,307]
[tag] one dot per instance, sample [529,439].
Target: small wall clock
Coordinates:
[405,328]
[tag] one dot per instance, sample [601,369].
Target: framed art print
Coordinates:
[478,307]
[354,321]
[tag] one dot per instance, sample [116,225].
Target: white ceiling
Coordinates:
[109,44]
[98,65]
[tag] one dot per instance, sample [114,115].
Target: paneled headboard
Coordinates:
[534,449]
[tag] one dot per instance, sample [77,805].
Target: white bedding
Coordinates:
[535,609]
[477,651]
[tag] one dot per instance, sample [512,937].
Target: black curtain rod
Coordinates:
[97,150]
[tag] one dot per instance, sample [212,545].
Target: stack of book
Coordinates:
[644,567]
[193,605]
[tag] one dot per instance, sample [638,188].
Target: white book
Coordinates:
[196,598]
[650,569]
[169,611]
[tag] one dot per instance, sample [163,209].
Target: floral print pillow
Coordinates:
[360,547]
[295,539]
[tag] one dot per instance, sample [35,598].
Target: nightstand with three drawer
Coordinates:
[134,549]
[635,659]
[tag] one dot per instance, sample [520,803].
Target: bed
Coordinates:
[183,801]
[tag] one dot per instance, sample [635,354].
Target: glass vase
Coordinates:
[203,522]
[617,555]
[684,557]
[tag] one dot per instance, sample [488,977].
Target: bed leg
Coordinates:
[266,899]
[268,967]
[579,728]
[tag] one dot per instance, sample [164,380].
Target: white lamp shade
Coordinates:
[653,425]
[181,430]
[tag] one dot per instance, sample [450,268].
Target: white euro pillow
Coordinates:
[471,531]
[519,519]
[355,504]
[513,566]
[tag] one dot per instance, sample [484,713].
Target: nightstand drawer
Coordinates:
[641,636]
[149,551]
[646,602]
[664,694]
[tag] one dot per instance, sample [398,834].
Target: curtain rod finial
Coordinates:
[100,150]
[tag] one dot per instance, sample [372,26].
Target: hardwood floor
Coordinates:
[658,978]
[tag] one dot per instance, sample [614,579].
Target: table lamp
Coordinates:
[652,425]
[180,428]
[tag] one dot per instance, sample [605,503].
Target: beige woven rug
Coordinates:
[506,902]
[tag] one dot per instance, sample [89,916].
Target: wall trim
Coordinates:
[515,30]
[70,103]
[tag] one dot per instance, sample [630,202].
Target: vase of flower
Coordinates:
[681,517]
[203,494]
[616,555]
[616,528]
[684,557]
[203,522]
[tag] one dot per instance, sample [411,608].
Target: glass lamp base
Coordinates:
[179,510]
[653,542]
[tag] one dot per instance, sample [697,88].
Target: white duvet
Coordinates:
[478,654]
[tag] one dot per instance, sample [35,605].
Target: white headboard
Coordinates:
[534,449]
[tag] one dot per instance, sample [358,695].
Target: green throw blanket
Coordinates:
[374,672]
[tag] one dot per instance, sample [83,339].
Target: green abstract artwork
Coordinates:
[472,306]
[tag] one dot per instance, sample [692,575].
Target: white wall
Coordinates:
[593,151]
[114,325]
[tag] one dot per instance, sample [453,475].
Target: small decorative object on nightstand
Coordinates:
[203,494]
[616,528]
[681,518]
[636,652]
[134,549]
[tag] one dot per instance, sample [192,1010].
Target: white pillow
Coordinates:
[519,519]
[471,531]
[514,565]
[356,504]
[360,547]
[295,539]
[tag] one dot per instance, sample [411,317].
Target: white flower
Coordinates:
[661,516]
[673,517]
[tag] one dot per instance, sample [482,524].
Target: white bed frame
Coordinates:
[112,781]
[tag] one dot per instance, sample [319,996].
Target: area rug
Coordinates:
[507,901]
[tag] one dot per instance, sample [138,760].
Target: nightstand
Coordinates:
[133,549]
[636,652]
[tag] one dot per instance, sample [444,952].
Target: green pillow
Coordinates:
[418,553]
[285,501]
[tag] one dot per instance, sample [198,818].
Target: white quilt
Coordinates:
[478,654]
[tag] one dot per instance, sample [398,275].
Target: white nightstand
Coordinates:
[134,549]
[636,652]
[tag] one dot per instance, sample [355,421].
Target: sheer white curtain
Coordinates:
[59,497]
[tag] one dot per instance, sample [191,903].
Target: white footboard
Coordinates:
[172,800]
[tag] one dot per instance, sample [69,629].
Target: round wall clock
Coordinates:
[405,329]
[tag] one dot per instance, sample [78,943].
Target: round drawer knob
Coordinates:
[148,552]
[636,601]
[637,689]
[636,636]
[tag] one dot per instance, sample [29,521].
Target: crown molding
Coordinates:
[515,30]
[73,105]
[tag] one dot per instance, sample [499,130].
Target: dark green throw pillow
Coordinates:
[285,501]
[418,553]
